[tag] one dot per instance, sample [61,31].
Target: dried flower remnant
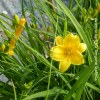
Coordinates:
[68,51]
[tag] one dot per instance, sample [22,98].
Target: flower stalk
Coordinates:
[13,41]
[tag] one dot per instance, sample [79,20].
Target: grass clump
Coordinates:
[25,59]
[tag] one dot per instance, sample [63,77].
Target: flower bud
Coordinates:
[2,47]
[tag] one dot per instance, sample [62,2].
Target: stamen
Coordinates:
[68,51]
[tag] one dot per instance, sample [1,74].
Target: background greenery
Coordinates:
[31,73]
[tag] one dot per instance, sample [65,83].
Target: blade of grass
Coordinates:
[82,80]
[43,94]
[14,90]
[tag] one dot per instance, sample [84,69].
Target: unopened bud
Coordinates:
[16,19]
[2,47]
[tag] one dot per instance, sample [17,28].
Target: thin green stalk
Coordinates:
[51,66]
[46,98]
[14,90]
[96,50]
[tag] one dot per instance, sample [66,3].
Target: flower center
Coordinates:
[68,51]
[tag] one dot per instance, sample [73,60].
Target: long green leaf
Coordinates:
[82,80]
[43,93]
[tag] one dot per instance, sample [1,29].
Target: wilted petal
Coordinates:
[82,47]
[71,40]
[64,64]
[57,53]
[59,40]
[77,58]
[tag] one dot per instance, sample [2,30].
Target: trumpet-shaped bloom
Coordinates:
[68,51]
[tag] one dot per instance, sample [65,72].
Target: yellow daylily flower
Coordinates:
[68,51]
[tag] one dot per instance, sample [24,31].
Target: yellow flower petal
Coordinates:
[57,53]
[59,40]
[12,43]
[64,65]
[82,47]
[71,40]
[10,52]
[77,58]
[20,27]
[22,21]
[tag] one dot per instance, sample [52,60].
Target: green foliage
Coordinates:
[31,73]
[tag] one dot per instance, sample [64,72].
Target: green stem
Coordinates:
[96,49]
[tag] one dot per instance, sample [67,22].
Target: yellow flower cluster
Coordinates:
[68,51]
[18,32]
[13,40]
